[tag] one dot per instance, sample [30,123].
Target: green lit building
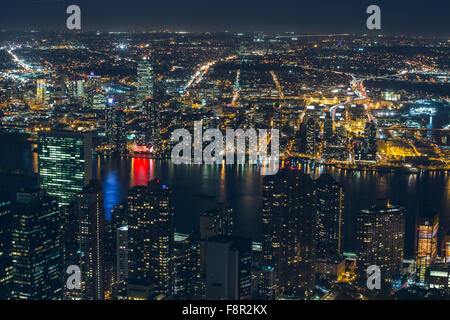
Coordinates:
[65,163]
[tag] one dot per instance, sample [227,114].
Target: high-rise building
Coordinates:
[266,284]
[91,241]
[187,283]
[65,163]
[426,245]
[152,114]
[6,267]
[41,91]
[312,130]
[115,128]
[380,240]
[288,247]
[328,216]
[151,236]
[80,89]
[228,268]
[217,221]
[122,254]
[144,81]
[370,141]
[328,126]
[99,100]
[36,250]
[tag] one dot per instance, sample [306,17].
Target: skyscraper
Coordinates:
[116,129]
[426,245]
[65,163]
[328,216]
[370,141]
[41,91]
[122,254]
[6,267]
[152,113]
[151,236]
[187,283]
[287,214]
[144,81]
[91,240]
[380,240]
[228,268]
[312,130]
[36,251]
[217,221]
[328,126]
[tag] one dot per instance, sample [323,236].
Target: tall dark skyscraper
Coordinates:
[370,141]
[380,240]
[36,251]
[228,268]
[217,221]
[116,119]
[312,131]
[288,246]
[187,283]
[328,216]
[65,163]
[328,127]
[151,236]
[91,240]
[6,267]
[152,113]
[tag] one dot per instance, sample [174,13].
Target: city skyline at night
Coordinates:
[225,151]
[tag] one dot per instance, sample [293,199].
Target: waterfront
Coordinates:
[199,187]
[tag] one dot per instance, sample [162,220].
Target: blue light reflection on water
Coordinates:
[112,193]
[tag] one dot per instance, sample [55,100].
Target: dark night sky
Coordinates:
[431,17]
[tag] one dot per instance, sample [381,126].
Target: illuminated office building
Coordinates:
[36,250]
[5,246]
[439,276]
[328,216]
[266,285]
[144,81]
[41,91]
[288,227]
[447,248]
[151,236]
[80,89]
[91,241]
[426,245]
[65,163]
[99,101]
[380,240]
[187,283]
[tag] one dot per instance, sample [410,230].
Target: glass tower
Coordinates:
[65,163]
